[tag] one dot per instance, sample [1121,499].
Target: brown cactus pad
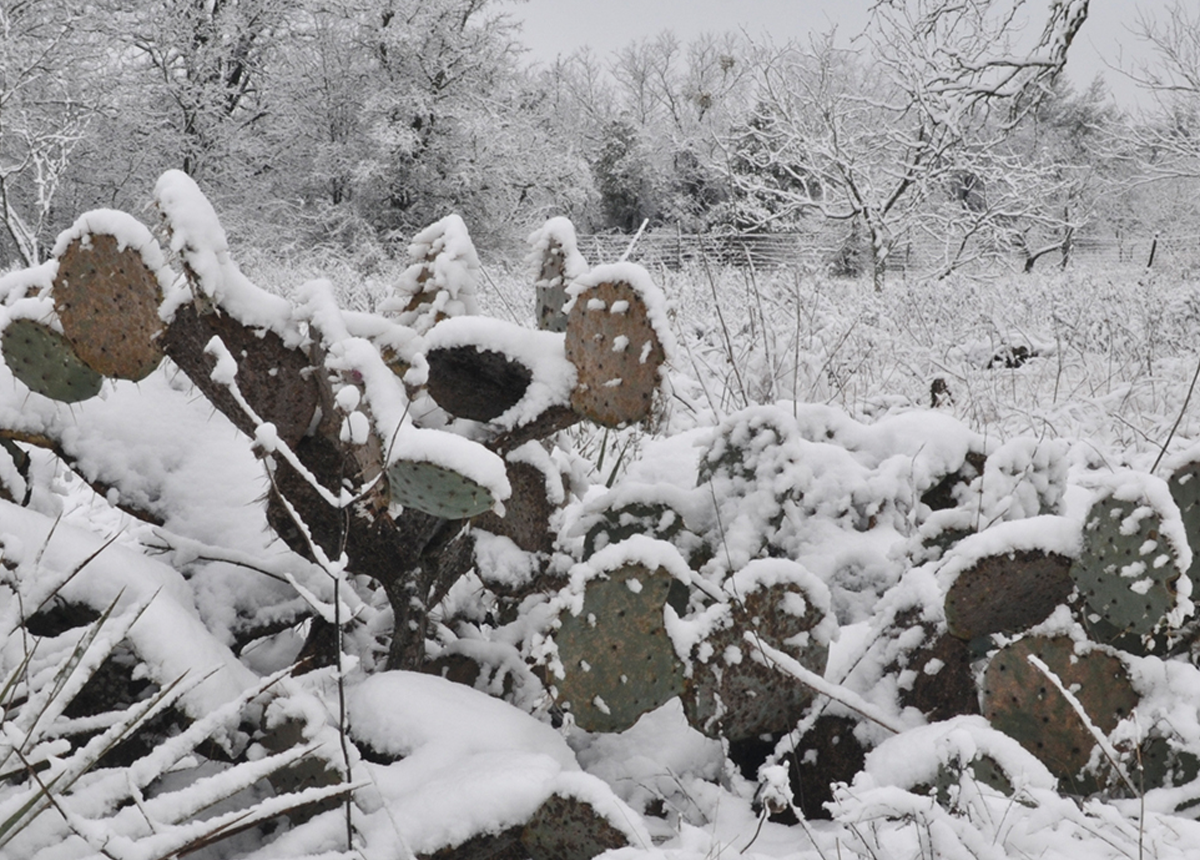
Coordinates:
[107,300]
[616,352]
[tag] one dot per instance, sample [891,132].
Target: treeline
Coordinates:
[342,127]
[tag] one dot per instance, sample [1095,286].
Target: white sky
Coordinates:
[553,27]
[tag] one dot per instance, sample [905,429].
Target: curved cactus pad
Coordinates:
[437,490]
[1127,571]
[618,661]
[479,384]
[43,359]
[1022,702]
[107,300]
[1007,593]
[616,352]
[567,828]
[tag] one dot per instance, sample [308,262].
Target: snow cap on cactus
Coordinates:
[539,353]
[445,475]
[442,280]
[198,237]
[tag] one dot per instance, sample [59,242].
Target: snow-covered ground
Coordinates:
[821,391]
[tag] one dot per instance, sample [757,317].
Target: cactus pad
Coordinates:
[43,359]
[1007,593]
[478,384]
[1024,704]
[618,662]
[527,512]
[1127,571]
[733,691]
[437,490]
[551,288]
[1184,485]
[616,352]
[567,828]
[107,300]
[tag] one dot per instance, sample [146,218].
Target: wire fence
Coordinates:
[825,252]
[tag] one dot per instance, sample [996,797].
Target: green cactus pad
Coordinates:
[107,300]
[736,694]
[1024,704]
[567,828]
[616,352]
[983,769]
[43,359]
[1127,570]
[617,659]
[1184,485]
[437,490]
[478,384]
[1007,593]
[551,289]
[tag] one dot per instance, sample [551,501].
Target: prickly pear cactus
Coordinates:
[736,692]
[617,661]
[475,383]
[567,828]
[612,341]
[441,282]
[43,359]
[1007,593]
[1184,485]
[107,299]
[1128,573]
[556,261]
[1022,702]
[437,490]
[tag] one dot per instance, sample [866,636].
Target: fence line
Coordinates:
[820,252]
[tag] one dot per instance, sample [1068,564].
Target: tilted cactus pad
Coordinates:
[1007,593]
[437,490]
[1127,571]
[43,359]
[107,299]
[479,384]
[1022,702]
[618,662]
[616,352]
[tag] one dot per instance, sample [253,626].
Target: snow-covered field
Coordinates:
[1102,365]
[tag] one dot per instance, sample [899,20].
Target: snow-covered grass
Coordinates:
[1106,363]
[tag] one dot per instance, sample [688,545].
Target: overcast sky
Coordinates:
[553,27]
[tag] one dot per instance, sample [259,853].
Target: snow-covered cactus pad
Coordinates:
[445,475]
[1130,572]
[556,261]
[441,282]
[1184,485]
[1023,702]
[566,827]
[42,358]
[615,659]
[733,689]
[1010,577]
[107,293]
[617,338]
[437,490]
